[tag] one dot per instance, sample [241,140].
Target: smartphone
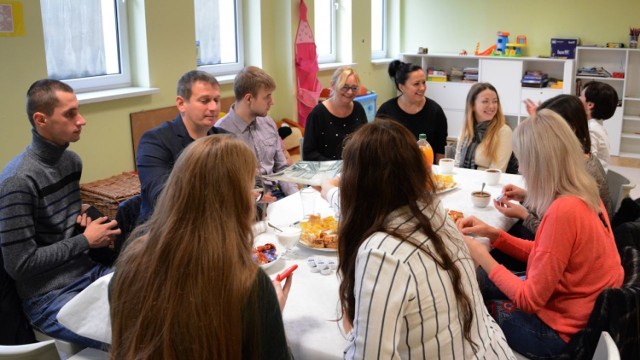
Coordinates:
[285,274]
[94,213]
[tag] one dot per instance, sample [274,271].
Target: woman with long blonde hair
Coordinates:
[187,286]
[540,313]
[333,119]
[485,140]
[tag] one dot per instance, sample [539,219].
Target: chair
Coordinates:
[606,349]
[64,348]
[44,350]
[619,188]
[617,312]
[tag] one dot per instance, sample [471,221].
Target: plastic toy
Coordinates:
[501,43]
[515,49]
[487,52]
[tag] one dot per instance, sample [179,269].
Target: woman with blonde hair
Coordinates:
[408,283]
[540,313]
[485,140]
[333,119]
[187,286]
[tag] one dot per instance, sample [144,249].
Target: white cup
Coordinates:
[446,165]
[308,199]
[492,176]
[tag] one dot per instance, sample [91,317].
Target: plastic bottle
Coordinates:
[427,150]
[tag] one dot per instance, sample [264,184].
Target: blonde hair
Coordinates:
[489,145]
[340,76]
[552,162]
[181,287]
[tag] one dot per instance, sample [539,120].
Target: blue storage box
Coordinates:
[369,104]
[564,48]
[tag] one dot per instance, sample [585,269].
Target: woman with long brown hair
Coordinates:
[408,283]
[187,286]
[485,140]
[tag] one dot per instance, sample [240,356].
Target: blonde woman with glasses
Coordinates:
[333,119]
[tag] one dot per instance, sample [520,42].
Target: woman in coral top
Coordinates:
[573,257]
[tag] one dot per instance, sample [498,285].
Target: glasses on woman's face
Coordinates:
[353,88]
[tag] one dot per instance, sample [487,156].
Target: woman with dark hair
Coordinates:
[573,256]
[600,101]
[187,287]
[413,109]
[572,110]
[485,140]
[408,284]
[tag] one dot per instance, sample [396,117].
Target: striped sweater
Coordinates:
[39,203]
[405,303]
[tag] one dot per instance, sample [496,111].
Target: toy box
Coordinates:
[368,102]
[564,48]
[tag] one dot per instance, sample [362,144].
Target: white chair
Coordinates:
[44,350]
[65,349]
[619,188]
[607,349]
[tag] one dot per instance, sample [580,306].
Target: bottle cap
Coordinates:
[422,136]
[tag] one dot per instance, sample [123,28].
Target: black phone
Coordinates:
[94,213]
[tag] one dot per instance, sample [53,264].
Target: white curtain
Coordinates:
[73,38]
[208,30]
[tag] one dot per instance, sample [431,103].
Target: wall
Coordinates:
[453,25]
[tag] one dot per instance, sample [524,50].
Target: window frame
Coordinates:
[231,68]
[109,81]
[381,54]
[332,56]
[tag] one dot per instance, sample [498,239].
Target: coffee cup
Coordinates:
[492,176]
[446,165]
[480,199]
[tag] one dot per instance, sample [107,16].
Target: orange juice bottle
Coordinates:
[427,150]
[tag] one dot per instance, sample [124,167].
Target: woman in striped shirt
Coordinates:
[408,283]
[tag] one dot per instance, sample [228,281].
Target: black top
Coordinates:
[431,121]
[324,132]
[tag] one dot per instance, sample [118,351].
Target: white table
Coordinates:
[310,316]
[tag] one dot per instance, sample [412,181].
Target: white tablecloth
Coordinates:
[310,316]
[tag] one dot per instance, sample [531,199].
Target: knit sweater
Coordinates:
[39,204]
[572,259]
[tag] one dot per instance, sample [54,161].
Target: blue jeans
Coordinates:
[525,333]
[42,311]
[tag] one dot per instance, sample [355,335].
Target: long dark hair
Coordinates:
[572,110]
[385,152]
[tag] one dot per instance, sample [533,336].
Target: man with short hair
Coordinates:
[247,119]
[44,232]
[198,101]
[600,101]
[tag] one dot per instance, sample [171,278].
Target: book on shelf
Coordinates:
[593,71]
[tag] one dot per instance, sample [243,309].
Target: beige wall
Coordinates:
[105,146]
[452,25]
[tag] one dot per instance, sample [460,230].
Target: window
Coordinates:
[378,29]
[218,54]
[324,20]
[86,43]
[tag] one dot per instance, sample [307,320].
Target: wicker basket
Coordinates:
[106,194]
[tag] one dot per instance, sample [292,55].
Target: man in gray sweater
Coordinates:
[44,233]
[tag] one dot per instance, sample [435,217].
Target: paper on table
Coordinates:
[308,172]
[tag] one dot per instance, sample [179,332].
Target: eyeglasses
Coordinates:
[353,88]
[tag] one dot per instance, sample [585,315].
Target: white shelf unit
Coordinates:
[623,127]
[504,73]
